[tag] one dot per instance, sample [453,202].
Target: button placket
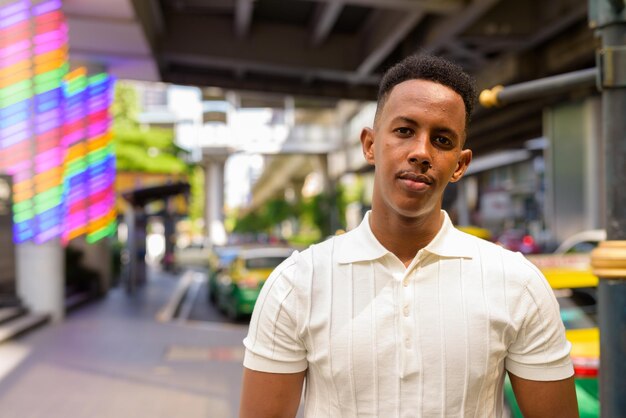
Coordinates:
[405,322]
[410,353]
[405,304]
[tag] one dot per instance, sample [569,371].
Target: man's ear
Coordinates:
[461,166]
[367,143]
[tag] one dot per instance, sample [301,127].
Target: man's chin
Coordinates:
[412,212]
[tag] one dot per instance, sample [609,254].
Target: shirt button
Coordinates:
[407,343]
[405,282]
[406,310]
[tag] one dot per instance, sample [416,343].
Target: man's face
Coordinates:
[416,147]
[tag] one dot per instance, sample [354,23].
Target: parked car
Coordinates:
[578,306]
[571,261]
[192,254]
[568,272]
[218,261]
[518,240]
[238,286]
[583,242]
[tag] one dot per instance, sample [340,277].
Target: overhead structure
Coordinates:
[336,48]
[339,49]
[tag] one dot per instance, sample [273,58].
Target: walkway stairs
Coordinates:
[16,320]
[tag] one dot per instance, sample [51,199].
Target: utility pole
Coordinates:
[608,18]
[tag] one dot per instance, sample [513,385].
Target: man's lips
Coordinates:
[415,177]
[414,182]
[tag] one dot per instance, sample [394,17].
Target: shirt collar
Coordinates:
[360,244]
[450,242]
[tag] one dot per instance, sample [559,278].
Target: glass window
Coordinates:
[582,247]
[263,262]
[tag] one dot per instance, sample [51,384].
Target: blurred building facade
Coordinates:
[295,82]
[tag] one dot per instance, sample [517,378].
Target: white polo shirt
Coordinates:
[379,339]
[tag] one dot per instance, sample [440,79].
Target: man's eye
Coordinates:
[404,131]
[442,140]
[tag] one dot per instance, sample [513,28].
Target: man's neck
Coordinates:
[405,236]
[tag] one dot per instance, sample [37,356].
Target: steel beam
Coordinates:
[609,259]
[324,19]
[243,17]
[432,6]
[499,95]
[381,36]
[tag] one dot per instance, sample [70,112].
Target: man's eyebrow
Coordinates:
[404,119]
[438,129]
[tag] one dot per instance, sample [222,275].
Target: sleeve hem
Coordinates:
[539,372]
[263,364]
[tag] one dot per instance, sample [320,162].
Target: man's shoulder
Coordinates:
[323,256]
[487,247]
[484,248]
[513,264]
[322,250]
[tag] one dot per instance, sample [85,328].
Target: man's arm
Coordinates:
[270,395]
[555,399]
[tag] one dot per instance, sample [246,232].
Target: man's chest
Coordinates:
[430,323]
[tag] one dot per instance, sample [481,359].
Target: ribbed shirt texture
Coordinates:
[433,339]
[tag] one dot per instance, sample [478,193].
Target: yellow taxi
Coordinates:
[568,271]
[239,284]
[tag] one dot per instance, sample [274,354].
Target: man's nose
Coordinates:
[420,153]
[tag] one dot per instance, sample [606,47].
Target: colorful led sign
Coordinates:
[54,129]
[49,45]
[75,191]
[16,98]
[100,159]
[89,162]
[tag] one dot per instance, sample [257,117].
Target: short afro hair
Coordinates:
[429,67]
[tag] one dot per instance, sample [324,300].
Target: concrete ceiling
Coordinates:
[336,48]
[106,35]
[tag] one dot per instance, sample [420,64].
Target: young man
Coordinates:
[406,316]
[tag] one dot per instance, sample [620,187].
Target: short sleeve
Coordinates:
[540,350]
[272,344]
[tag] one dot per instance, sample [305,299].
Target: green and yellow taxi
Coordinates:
[238,286]
[575,287]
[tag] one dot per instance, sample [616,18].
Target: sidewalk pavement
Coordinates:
[113,359]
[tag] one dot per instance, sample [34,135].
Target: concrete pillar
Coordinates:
[574,182]
[129,262]
[594,160]
[41,277]
[290,112]
[134,264]
[215,160]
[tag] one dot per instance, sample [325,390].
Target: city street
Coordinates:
[452,172]
[116,358]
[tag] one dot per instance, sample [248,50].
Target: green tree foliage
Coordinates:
[150,150]
[322,213]
[327,212]
[266,218]
[196,194]
[252,222]
[125,107]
